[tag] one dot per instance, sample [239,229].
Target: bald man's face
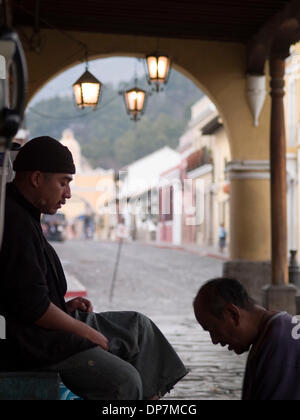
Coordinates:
[227,330]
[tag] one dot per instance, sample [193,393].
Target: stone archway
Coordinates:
[219,70]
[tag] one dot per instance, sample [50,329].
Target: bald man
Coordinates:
[223,308]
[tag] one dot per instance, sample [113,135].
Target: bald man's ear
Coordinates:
[233,313]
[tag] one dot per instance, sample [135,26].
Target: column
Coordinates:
[279,295]
[250,227]
[278,174]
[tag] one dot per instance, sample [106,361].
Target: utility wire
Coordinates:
[71,117]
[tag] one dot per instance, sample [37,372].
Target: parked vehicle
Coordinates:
[54,227]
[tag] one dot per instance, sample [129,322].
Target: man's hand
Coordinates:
[79,303]
[56,319]
[98,338]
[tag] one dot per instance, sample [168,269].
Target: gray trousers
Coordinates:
[140,362]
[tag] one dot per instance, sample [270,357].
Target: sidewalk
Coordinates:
[161,283]
[202,251]
[75,288]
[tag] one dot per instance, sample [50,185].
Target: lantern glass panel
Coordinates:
[152,67]
[140,101]
[77,93]
[90,93]
[131,100]
[162,67]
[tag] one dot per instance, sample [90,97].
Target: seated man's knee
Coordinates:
[130,388]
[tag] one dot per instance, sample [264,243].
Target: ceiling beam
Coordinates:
[274,38]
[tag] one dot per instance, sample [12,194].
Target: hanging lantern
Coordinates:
[135,101]
[87,90]
[158,67]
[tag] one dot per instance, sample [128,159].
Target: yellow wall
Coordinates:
[249,202]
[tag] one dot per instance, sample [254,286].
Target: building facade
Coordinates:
[139,193]
[204,202]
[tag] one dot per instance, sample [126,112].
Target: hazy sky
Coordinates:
[107,70]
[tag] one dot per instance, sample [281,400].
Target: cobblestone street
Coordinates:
[161,283]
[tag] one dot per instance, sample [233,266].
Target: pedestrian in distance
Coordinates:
[223,308]
[222,237]
[99,356]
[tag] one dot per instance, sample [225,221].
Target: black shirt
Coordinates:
[31,276]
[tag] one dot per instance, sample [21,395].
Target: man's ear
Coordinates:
[35,178]
[233,313]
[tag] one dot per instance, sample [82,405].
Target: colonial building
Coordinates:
[139,191]
[204,201]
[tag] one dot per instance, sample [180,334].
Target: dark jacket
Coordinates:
[31,276]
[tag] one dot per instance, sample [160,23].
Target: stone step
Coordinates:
[29,386]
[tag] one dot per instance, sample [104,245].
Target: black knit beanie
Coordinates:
[44,154]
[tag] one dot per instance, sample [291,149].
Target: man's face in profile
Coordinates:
[225,331]
[54,190]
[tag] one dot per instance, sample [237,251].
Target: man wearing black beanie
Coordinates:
[44,169]
[113,355]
